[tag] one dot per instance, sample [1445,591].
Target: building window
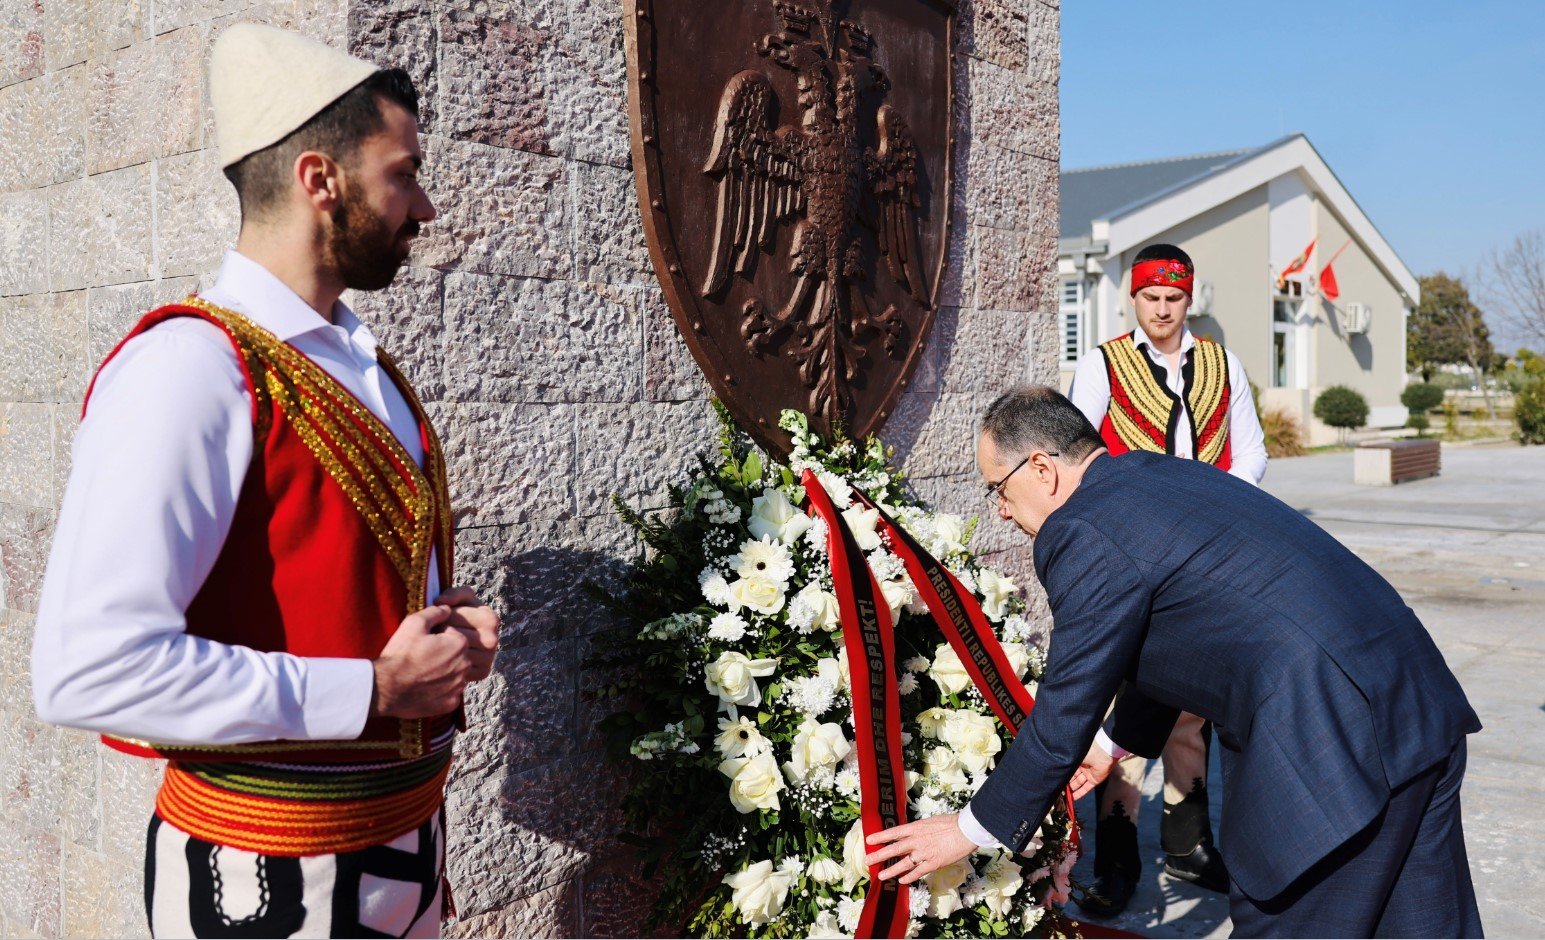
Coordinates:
[1071,312]
[1284,343]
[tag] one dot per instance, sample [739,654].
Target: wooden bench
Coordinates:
[1385,463]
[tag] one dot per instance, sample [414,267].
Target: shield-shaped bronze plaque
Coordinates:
[793,168]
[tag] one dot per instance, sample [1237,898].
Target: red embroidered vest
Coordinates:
[1143,413]
[330,544]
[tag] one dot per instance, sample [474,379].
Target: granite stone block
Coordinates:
[100,231]
[68,28]
[24,242]
[984,350]
[500,211]
[26,535]
[197,215]
[21,41]
[496,62]
[26,454]
[146,101]
[29,876]
[1013,111]
[608,233]
[104,896]
[635,449]
[508,463]
[670,371]
[591,73]
[527,339]
[553,912]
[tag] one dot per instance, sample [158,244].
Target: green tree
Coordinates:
[1341,407]
[1447,327]
[1420,398]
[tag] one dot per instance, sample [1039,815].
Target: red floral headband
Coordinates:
[1162,274]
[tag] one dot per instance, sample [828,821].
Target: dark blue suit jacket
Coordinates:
[1202,593]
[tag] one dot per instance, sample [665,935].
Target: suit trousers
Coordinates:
[1405,875]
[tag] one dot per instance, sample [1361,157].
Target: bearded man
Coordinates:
[252,571]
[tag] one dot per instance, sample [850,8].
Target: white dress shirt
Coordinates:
[1247,443]
[1247,460]
[158,465]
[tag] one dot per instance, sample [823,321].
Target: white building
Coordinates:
[1243,217]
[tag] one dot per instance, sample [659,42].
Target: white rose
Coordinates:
[844,675]
[975,739]
[944,887]
[733,677]
[759,892]
[897,594]
[825,871]
[824,603]
[948,530]
[853,852]
[1018,657]
[773,516]
[948,672]
[763,595]
[738,737]
[817,748]
[1001,882]
[754,782]
[996,590]
[861,522]
[944,766]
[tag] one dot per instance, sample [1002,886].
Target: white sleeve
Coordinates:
[158,464]
[974,830]
[1091,387]
[1103,742]
[1247,442]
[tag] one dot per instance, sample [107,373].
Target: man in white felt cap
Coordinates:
[252,571]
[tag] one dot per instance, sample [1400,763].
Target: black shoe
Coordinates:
[1117,865]
[1109,895]
[1202,866]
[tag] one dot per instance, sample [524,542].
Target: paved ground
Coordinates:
[1467,551]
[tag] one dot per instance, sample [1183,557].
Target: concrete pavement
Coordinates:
[1467,551]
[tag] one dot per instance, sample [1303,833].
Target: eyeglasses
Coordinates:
[994,492]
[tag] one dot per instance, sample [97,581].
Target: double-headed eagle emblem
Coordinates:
[817,176]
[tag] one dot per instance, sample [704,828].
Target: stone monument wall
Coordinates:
[530,321]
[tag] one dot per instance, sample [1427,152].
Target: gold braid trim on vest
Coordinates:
[1139,400]
[1207,399]
[398,501]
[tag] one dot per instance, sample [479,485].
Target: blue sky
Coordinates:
[1431,113]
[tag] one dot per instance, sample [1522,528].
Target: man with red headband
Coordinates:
[1160,388]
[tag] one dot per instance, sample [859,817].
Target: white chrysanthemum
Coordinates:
[925,807]
[1016,629]
[727,627]
[907,684]
[886,567]
[763,558]
[815,536]
[792,865]
[739,737]
[967,578]
[916,664]
[811,695]
[848,913]
[846,783]
[840,491]
[716,590]
[918,900]
[800,614]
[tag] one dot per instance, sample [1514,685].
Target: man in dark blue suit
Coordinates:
[1342,731]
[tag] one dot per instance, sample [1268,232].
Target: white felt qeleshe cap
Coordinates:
[266,82]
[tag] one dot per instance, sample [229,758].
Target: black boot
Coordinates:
[1116,865]
[1186,836]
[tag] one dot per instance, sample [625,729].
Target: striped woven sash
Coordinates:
[300,810]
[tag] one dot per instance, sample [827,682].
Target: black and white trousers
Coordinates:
[195,888]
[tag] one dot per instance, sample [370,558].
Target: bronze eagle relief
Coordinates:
[793,161]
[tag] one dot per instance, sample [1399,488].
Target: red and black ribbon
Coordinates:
[960,618]
[868,636]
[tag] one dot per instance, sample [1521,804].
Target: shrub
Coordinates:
[1529,412]
[1284,435]
[1341,407]
[1418,420]
[1421,397]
